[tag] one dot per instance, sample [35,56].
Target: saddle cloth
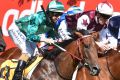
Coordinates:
[8,67]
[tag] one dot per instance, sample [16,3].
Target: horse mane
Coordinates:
[112,52]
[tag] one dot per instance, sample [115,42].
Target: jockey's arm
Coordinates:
[34,38]
[63,32]
[109,43]
[40,38]
[112,42]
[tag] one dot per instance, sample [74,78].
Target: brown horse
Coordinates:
[62,67]
[109,65]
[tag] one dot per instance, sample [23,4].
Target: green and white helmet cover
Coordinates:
[55,6]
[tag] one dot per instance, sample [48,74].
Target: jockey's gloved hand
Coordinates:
[103,46]
[48,40]
[58,40]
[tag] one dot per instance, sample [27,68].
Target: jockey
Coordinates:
[100,22]
[61,24]
[97,21]
[30,30]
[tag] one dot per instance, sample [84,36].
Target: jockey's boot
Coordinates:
[19,70]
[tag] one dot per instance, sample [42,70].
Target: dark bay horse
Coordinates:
[109,65]
[63,65]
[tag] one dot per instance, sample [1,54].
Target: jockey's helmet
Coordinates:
[105,9]
[55,6]
[54,10]
[74,10]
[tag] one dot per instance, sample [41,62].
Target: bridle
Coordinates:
[75,57]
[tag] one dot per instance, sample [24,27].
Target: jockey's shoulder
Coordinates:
[39,14]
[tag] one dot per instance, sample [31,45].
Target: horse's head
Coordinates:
[90,55]
[81,50]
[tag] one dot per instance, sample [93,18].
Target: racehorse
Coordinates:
[63,65]
[109,65]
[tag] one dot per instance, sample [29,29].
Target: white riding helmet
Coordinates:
[105,8]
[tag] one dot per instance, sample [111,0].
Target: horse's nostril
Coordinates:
[95,71]
[96,68]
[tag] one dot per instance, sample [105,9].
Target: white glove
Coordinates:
[113,43]
[103,46]
[48,40]
[113,46]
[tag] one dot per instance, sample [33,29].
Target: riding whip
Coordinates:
[59,47]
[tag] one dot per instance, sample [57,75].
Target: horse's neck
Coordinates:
[65,63]
[110,64]
[113,57]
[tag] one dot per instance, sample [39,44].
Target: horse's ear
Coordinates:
[99,50]
[95,35]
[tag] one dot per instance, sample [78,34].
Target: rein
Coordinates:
[78,42]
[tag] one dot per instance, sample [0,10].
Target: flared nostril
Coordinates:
[95,71]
